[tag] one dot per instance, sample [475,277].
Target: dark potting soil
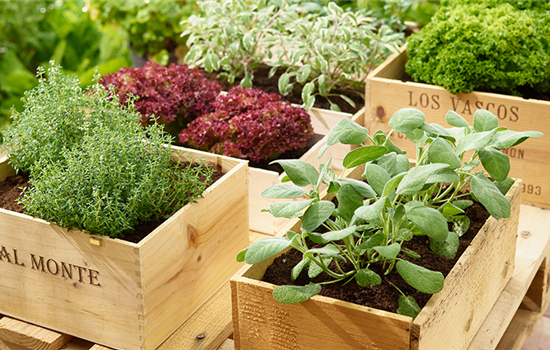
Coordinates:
[11,189]
[261,81]
[384,296]
[525,91]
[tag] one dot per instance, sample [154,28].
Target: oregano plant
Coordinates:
[396,201]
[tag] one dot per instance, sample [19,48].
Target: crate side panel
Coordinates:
[454,315]
[260,180]
[319,323]
[323,120]
[204,239]
[57,279]
[529,161]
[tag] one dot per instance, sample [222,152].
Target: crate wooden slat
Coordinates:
[122,294]
[530,161]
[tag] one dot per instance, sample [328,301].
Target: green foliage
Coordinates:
[397,202]
[331,52]
[34,32]
[92,166]
[153,26]
[323,50]
[484,45]
[233,36]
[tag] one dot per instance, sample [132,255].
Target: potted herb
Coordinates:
[474,55]
[365,239]
[314,54]
[95,173]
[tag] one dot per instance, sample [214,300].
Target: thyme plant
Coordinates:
[375,218]
[92,165]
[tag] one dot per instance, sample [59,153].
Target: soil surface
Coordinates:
[11,189]
[261,81]
[384,296]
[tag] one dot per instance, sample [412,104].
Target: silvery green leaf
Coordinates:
[241,255]
[296,270]
[295,294]
[448,209]
[408,306]
[265,248]
[363,155]
[347,132]
[324,238]
[393,184]
[371,212]
[411,253]
[484,120]
[461,224]
[300,172]
[504,185]
[446,248]
[454,119]
[416,136]
[401,163]
[328,250]
[283,191]
[361,187]
[420,278]
[390,251]
[416,178]
[366,277]
[508,138]
[377,177]
[436,130]
[429,221]
[490,196]
[495,162]
[407,119]
[463,203]
[474,141]
[442,151]
[314,269]
[388,162]
[471,165]
[348,100]
[316,214]
[348,201]
[288,210]
[445,175]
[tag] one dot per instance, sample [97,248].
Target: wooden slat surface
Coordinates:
[28,336]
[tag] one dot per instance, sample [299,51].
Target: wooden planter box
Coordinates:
[530,161]
[121,294]
[322,120]
[449,321]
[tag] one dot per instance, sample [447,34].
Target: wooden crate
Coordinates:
[451,317]
[260,179]
[530,161]
[117,293]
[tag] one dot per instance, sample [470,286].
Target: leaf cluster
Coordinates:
[92,166]
[321,50]
[375,217]
[484,45]
[168,94]
[152,26]
[34,32]
[250,124]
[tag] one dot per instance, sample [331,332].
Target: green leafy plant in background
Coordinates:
[34,32]
[153,26]
[233,36]
[373,219]
[92,166]
[484,45]
[331,52]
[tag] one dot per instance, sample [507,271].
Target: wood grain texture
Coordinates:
[533,248]
[530,161]
[29,336]
[453,316]
[519,330]
[119,293]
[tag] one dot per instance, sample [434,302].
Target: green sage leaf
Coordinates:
[295,294]
[408,306]
[390,251]
[283,191]
[300,172]
[454,119]
[420,278]
[495,162]
[484,120]
[265,248]
[407,119]
[490,196]
[288,210]
[316,214]
[430,221]
[366,277]
[442,151]
[446,248]
[363,155]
